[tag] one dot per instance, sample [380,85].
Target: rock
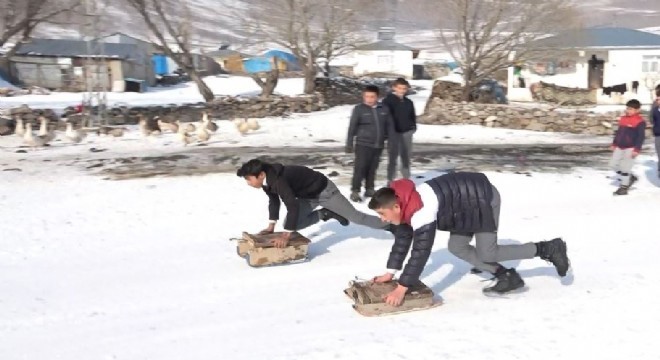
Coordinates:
[491,119]
[535,125]
[606,124]
[473,113]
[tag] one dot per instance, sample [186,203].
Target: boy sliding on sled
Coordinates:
[302,190]
[465,204]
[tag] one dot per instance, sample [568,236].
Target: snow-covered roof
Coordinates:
[605,37]
[76,48]
[384,45]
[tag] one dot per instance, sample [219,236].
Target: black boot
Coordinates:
[633,179]
[369,193]
[326,215]
[622,190]
[507,280]
[554,251]
[355,196]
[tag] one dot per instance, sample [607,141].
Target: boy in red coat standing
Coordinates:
[627,144]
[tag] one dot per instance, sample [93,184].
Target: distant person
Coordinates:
[627,144]
[655,122]
[367,131]
[466,205]
[302,190]
[405,124]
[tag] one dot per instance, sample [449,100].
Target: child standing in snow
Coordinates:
[627,144]
[655,122]
[367,132]
[400,142]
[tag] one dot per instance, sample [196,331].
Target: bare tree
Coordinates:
[310,29]
[170,20]
[271,78]
[486,36]
[20,17]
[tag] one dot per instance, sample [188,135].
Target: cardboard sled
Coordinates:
[258,250]
[369,298]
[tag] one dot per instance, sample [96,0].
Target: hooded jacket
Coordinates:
[290,183]
[456,202]
[631,133]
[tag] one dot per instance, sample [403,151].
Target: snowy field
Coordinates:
[143,269]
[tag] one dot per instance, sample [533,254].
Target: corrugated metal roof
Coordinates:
[606,37]
[77,48]
[384,45]
[225,53]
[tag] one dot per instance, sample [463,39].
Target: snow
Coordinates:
[179,94]
[143,269]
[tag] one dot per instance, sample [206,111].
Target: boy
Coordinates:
[405,125]
[302,190]
[655,122]
[467,205]
[628,141]
[368,130]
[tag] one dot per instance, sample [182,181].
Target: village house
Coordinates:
[68,66]
[384,56]
[616,64]
[230,60]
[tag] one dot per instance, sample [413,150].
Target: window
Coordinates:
[651,63]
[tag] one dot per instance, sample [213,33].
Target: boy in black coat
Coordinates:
[367,131]
[468,206]
[400,142]
[302,190]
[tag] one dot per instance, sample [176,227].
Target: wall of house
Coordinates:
[624,67]
[395,62]
[46,72]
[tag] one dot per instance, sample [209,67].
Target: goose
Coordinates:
[74,136]
[20,126]
[43,129]
[202,134]
[37,141]
[117,132]
[190,127]
[182,135]
[146,128]
[210,125]
[168,126]
[253,124]
[243,127]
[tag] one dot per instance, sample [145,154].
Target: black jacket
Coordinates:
[369,126]
[403,112]
[290,183]
[464,206]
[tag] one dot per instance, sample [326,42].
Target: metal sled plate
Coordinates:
[368,298]
[258,250]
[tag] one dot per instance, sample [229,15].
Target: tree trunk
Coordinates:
[468,78]
[267,87]
[206,92]
[310,77]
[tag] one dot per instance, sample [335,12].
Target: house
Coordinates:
[285,61]
[384,56]
[67,65]
[229,60]
[616,64]
[145,45]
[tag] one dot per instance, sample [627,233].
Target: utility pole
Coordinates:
[95,67]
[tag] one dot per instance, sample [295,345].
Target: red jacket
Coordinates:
[630,133]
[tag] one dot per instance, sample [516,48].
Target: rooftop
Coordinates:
[605,37]
[384,45]
[75,48]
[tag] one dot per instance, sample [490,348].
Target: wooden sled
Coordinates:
[259,251]
[368,297]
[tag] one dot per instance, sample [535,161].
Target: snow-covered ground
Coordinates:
[143,269]
[178,94]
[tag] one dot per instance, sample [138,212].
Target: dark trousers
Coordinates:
[365,166]
[399,145]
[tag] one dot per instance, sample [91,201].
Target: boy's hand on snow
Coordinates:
[383,278]
[282,241]
[395,298]
[634,154]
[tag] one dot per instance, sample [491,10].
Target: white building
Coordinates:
[607,60]
[384,56]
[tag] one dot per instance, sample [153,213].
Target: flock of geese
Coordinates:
[186,133]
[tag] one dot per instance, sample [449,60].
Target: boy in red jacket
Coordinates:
[627,144]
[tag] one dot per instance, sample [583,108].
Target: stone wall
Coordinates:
[561,95]
[442,112]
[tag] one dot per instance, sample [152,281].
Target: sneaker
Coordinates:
[475,271]
[555,252]
[326,215]
[355,196]
[369,193]
[507,280]
[622,190]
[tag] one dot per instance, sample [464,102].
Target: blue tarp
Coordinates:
[263,63]
[159,63]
